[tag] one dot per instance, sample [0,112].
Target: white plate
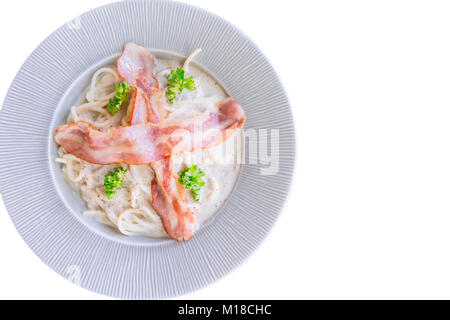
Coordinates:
[47,213]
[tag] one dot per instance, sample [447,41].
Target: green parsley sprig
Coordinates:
[177,82]
[113,181]
[192,179]
[120,97]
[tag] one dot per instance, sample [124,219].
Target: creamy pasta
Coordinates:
[130,211]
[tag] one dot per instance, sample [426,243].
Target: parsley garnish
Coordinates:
[113,181]
[120,97]
[177,82]
[192,179]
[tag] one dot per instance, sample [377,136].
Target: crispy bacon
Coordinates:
[168,196]
[169,201]
[146,143]
[136,66]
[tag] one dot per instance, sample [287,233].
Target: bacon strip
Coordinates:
[146,143]
[136,66]
[169,201]
[168,196]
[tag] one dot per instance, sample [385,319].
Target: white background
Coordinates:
[369,213]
